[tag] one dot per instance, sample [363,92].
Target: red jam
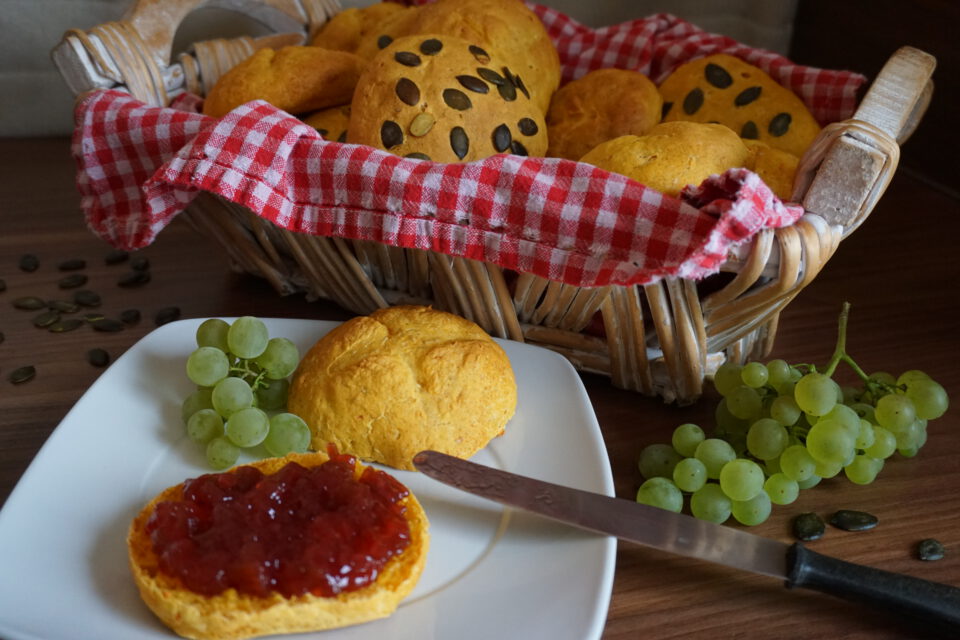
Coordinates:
[297,531]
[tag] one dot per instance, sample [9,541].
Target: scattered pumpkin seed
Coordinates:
[72,281]
[116,256]
[134,279]
[130,316]
[22,374]
[808,526]
[63,306]
[29,262]
[167,314]
[68,324]
[46,319]
[98,357]
[850,520]
[87,298]
[30,303]
[107,324]
[74,264]
[140,263]
[930,550]
[93,317]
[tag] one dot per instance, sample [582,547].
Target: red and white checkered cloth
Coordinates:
[139,166]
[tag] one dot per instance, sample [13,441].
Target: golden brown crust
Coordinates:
[346,30]
[776,167]
[599,106]
[231,615]
[387,386]
[331,123]
[451,104]
[296,79]
[672,155]
[725,89]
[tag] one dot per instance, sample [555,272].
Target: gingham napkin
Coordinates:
[139,166]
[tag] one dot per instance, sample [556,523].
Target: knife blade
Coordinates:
[933,604]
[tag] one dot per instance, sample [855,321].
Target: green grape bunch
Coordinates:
[783,428]
[242,377]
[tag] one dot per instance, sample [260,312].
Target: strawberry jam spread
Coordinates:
[297,531]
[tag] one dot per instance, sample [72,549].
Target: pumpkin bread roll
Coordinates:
[777,168]
[508,27]
[330,123]
[599,106]
[440,98]
[296,79]
[672,155]
[724,89]
[386,386]
[346,30]
[233,612]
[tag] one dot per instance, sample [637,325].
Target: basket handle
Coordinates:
[848,167]
[134,53]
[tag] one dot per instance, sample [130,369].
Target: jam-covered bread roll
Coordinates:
[599,106]
[296,79]
[725,89]
[672,155]
[248,552]
[444,99]
[386,386]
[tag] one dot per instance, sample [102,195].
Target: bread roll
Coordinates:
[386,386]
[776,167]
[347,29]
[232,615]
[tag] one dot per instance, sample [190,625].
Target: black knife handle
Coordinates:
[931,603]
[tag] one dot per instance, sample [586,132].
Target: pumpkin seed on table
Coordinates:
[1,337]
[73,264]
[93,317]
[930,550]
[72,281]
[116,256]
[63,306]
[87,298]
[30,303]
[107,324]
[808,526]
[139,263]
[22,374]
[3,285]
[46,319]
[167,314]
[98,357]
[29,263]
[68,324]
[130,316]
[851,520]
[134,279]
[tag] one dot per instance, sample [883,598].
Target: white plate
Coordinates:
[490,573]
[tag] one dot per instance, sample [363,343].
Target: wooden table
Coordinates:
[899,272]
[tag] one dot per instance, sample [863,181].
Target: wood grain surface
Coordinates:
[899,271]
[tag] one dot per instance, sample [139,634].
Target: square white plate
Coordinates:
[491,572]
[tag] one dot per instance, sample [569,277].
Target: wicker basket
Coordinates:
[661,339]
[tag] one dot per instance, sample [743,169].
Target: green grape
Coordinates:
[781,489]
[828,441]
[809,483]
[884,377]
[658,461]
[929,398]
[661,493]
[815,393]
[726,421]
[909,437]
[884,444]
[689,475]
[772,466]
[865,411]
[685,439]
[744,402]
[895,412]
[204,425]
[908,377]
[797,463]
[206,366]
[785,410]
[221,453]
[709,502]
[923,435]
[828,469]
[288,434]
[866,436]
[849,394]
[199,399]
[778,372]
[714,453]
[213,333]
[247,427]
[247,337]
[727,378]
[846,416]
[766,439]
[271,395]
[908,452]
[754,374]
[279,359]
[231,395]
[741,479]
[863,469]
[786,388]
[753,511]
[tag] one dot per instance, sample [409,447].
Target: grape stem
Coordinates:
[840,350]
[244,370]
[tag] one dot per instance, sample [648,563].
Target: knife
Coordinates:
[933,604]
